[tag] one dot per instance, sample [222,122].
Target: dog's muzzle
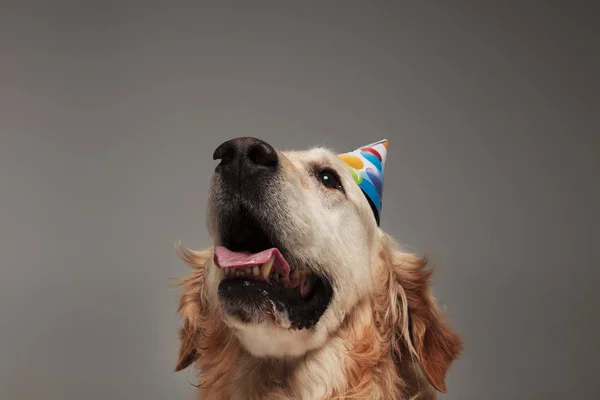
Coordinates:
[261,278]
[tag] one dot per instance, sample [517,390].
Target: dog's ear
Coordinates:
[435,344]
[420,329]
[191,305]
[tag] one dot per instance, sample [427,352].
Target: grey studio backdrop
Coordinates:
[110,111]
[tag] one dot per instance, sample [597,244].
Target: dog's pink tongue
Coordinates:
[225,258]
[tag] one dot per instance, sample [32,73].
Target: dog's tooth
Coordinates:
[255,270]
[265,269]
[276,277]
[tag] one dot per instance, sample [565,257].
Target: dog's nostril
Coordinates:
[225,152]
[262,154]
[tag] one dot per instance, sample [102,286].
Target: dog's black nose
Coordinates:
[249,152]
[245,158]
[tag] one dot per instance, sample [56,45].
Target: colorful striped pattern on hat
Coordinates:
[367,164]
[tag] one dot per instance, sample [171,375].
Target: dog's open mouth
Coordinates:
[258,281]
[267,266]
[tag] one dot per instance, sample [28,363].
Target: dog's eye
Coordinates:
[330,180]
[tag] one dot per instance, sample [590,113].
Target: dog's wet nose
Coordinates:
[245,158]
[247,150]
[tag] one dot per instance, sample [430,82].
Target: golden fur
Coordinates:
[392,343]
[376,345]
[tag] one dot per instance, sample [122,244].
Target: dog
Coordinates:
[302,295]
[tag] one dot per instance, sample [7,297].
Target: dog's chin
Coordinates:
[271,320]
[270,340]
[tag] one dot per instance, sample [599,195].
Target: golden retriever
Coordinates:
[302,295]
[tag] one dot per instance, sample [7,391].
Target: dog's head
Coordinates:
[296,247]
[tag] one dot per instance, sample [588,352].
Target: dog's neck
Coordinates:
[356,362]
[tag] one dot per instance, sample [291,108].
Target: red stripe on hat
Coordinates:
[372,151]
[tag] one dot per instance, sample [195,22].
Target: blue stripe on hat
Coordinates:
[371,192]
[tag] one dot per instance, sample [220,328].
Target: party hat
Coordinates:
[366,165]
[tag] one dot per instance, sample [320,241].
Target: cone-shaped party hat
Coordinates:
[366,165]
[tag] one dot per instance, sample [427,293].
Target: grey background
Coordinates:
[109,113]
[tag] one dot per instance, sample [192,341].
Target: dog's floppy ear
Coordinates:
[191,305]
[435,344]
[420,328]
